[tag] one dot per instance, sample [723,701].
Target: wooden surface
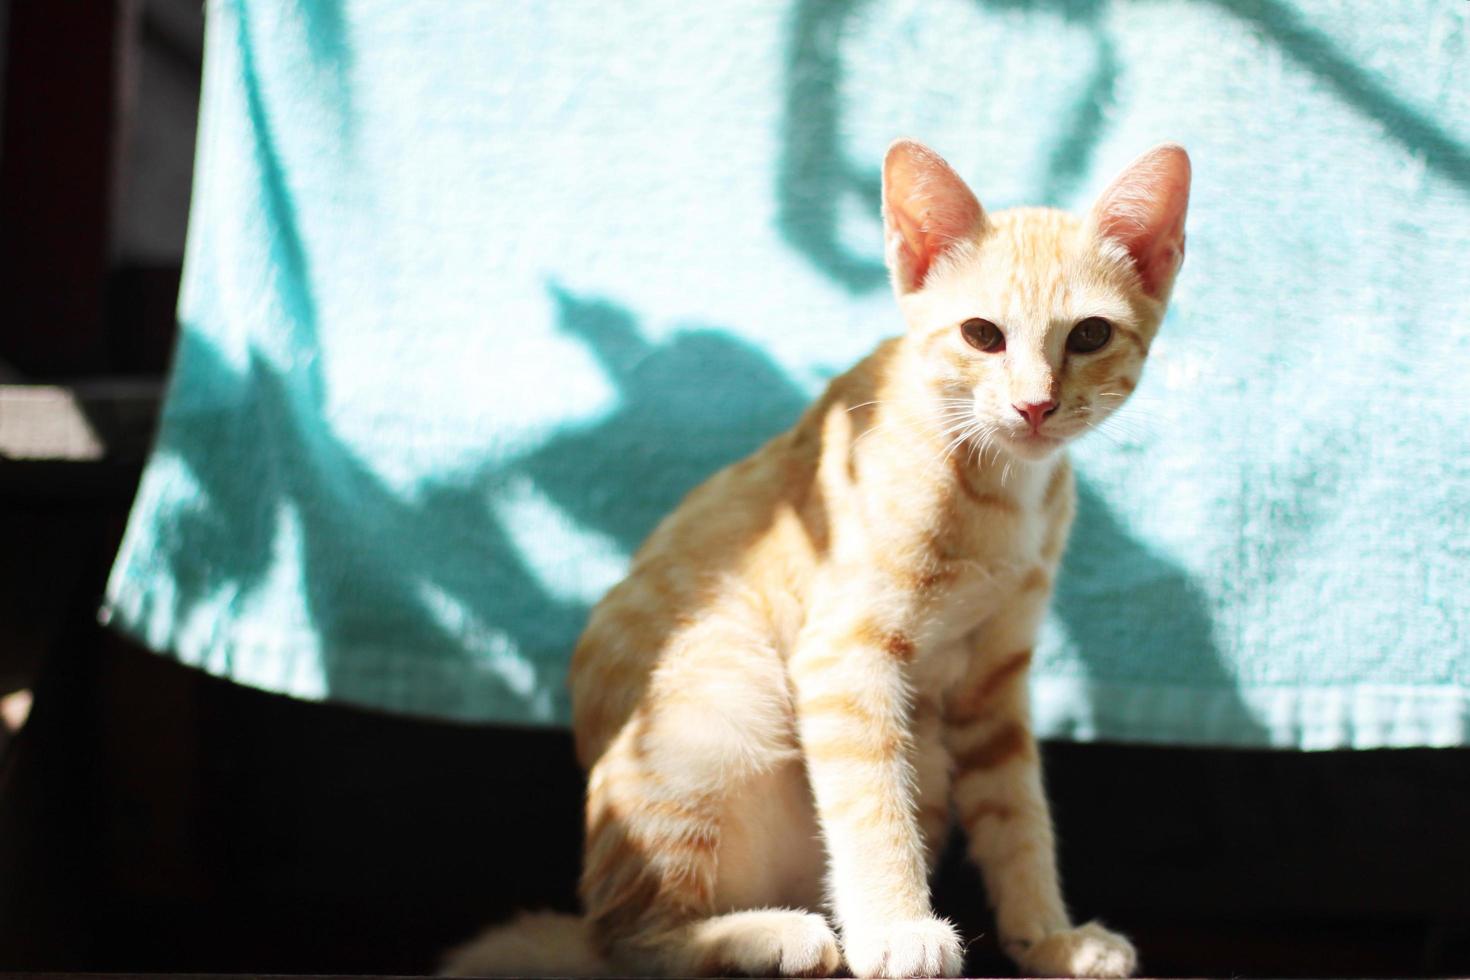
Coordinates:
[82,441]
[86,422]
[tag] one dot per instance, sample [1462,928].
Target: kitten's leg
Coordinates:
[1001,804]
[717,716]
[854,717]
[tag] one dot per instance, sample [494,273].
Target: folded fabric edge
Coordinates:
[503,687]
[1321,718]
[401,682]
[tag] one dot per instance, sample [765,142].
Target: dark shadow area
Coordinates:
[157,819]
[1249,863]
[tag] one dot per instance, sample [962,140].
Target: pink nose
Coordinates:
[1035,412]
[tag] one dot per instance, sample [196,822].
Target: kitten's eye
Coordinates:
[1089,335]
[983,335]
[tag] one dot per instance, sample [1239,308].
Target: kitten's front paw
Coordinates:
[917,948]
[1086,951]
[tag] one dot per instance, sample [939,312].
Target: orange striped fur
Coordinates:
[821,654]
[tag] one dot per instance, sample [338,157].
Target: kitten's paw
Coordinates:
[1086,951]
[916,948]
[770,943]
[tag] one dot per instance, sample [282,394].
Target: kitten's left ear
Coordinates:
[927,209]
[1143,210]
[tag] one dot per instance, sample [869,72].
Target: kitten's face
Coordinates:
[1039,329]
[1031,325]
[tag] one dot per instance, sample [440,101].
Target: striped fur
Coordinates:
[822,653]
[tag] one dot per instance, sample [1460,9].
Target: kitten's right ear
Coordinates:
[926,209]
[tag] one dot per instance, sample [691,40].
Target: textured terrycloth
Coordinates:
[475,292]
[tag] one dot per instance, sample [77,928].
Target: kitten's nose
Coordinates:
[1035,412]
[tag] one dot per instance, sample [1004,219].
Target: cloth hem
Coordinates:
[1075,709]
[1318,718]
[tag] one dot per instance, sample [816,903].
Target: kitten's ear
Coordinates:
[1143,210]
[926,209]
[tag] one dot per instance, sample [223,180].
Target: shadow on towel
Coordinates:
[434,570]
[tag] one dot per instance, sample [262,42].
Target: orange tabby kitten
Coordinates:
[822,654]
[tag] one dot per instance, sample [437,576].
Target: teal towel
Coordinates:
[475,292]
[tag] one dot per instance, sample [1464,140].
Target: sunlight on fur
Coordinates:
[818,662]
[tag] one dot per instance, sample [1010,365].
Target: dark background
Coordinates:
[155,819]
